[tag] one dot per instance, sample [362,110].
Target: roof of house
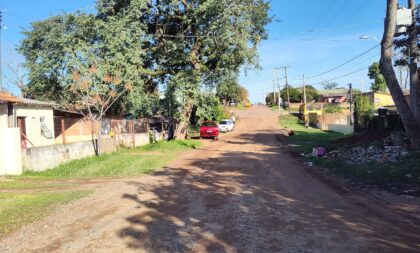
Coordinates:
[9,98]
[334,92]
[376,92]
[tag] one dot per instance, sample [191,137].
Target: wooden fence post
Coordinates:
[63,130]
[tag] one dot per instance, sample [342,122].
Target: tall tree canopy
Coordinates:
[183,45]
[81,60]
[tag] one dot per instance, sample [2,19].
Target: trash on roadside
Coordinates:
[319,151]
[310,164]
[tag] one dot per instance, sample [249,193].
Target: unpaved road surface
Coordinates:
[240,194]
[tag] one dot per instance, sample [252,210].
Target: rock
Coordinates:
[409,175]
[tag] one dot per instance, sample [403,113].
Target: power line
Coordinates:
[339,66]
[341,76]
[325,29]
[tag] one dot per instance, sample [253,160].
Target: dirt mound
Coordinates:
[363,137]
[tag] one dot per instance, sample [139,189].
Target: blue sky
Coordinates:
[309,36]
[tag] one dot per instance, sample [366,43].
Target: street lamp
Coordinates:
[365,37]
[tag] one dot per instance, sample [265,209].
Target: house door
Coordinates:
[22,127]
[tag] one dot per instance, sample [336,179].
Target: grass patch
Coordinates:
[30,185]
[18,209]
[126,162]
[304,139]
[400,175]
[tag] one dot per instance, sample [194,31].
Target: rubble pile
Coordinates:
[391,149]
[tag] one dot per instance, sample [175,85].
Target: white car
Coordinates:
[226,125]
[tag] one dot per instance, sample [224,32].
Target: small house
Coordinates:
[380,99]
[34,119]
[334,96]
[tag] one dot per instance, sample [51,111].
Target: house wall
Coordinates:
[380,99]
[337,122]
[3,116]
[10,154]
[32,116]
[383,100]
[48,157]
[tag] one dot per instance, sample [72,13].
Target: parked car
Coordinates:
[209,129]
[226,125]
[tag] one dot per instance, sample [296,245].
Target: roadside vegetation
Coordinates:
[34,195]
[402,177]
[126,162]
[20,208]
[304,139]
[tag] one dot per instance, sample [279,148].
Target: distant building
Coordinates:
[34,118]
[334,96]
[380,99]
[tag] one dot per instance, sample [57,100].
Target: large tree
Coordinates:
[101,51]
[386,66]
[199,39]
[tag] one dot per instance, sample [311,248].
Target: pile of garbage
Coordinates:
[390,149]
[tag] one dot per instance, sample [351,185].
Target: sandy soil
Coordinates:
[239,194]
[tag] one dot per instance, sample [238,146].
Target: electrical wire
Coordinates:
[341,65]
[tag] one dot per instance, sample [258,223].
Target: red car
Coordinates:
[209,129]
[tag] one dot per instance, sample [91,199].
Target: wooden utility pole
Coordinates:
[278,88]
[304,89]
[414,79]
[286,85]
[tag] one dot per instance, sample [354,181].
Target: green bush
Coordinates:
[330,108]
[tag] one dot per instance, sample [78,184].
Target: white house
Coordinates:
[35,119]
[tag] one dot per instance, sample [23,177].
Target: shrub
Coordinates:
[330,108]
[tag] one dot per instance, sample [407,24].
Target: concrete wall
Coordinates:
[127,139]
[10,154]
[33,116]
[48,157]
[338,122]
[3,116]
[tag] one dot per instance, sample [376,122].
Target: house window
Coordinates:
[45,131]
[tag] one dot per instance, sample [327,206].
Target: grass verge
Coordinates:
[126,162]
[401,178]
[304,139]
[17,209]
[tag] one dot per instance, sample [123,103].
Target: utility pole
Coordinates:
[304,89]
[278,87]
[351,95]
[286,85]
[414,79]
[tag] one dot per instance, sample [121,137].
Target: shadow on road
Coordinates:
[244,196]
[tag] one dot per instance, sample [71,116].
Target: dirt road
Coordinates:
[240,194]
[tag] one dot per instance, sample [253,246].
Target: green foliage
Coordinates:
[304,139]
[379,83]
[330,108]
[182,45]
[208,107]
[294,94]
[83,61]
[363,106]
[228,90]
[19,209]
[328,85]
[311,94]
[271,99]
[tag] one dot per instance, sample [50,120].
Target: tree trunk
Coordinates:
[181,130]
[414,78]
[411,126]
